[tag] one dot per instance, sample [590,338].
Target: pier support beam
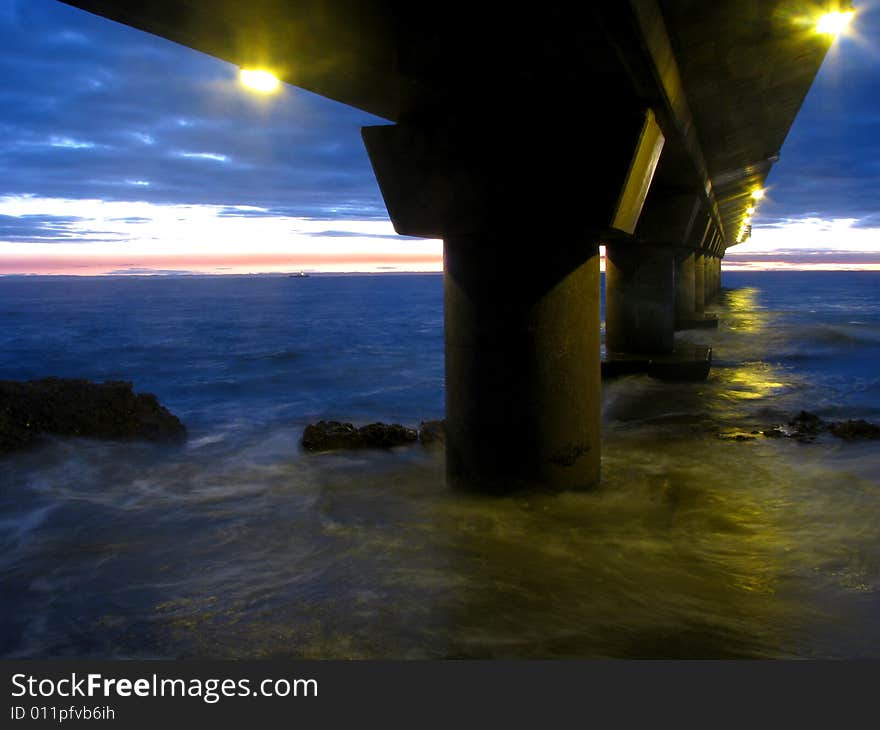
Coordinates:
[699,283]
[684,287]
[639,299]
[521,278]
[522,364]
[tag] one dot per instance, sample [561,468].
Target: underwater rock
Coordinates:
[853,430]
[71,407]
[432,432]
[334,435]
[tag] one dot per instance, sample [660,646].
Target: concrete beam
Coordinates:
[639,299]
[684,287]
[699,284]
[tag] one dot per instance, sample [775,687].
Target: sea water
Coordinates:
[239,545]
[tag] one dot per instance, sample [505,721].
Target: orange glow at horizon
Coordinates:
[70,264]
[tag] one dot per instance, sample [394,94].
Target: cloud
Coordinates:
[95,112]
[91,109]
[57,235]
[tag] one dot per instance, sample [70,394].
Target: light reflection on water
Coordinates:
[240,546]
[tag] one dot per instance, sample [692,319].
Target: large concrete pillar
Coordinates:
[522,363]
[684,286]
[699,283]
[707,278]
[639,299]
[521,273]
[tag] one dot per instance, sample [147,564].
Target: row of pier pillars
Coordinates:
[652,291]
[522,284]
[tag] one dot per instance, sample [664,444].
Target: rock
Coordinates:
[328,435]
[775,433]
[386,436]
[68,407]
[853,430]
[806,424]
[14,435]
[334,435]
[432,432]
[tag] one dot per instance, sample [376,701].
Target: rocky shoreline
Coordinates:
[112,410]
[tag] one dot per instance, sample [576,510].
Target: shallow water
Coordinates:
[239,545]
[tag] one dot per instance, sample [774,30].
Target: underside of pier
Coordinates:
[524,138]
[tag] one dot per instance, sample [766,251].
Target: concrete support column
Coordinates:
[684,286]
[522,363]
[717,276]
[521,265]
[639,299]
[711,278]
[707,278]
[699,283]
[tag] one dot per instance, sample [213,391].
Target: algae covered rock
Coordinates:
[71,407]
[334,435]
[855,430]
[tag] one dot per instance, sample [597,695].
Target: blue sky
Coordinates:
[124,152]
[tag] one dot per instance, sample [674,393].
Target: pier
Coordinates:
[524,139]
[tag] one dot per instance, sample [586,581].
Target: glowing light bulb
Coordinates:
[757,194]
[834,23]
[258,80]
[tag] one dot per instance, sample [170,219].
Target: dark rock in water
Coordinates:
[853,430]
[386,436]
[327,435]
[332,435]
[807,424]
[14,434]
[68,407]
[774,433]
[432,432]
[806,427]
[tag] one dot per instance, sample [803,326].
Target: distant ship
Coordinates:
[300,275]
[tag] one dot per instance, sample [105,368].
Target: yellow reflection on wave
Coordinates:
[744,309]
[753,380]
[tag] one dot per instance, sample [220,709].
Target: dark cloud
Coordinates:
[93,109]
[805,256]
[348,234]
[27,227]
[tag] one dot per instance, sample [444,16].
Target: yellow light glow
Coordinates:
[750,210]
[758,194]
[258,80]
[834,23]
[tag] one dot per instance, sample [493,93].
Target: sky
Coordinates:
[123,153]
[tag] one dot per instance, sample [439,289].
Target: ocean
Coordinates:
[239,545]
